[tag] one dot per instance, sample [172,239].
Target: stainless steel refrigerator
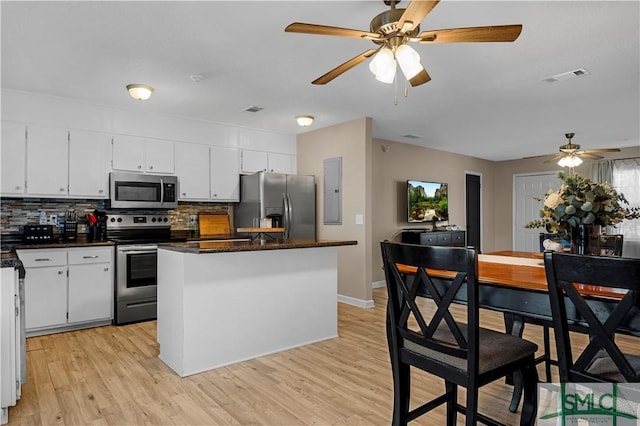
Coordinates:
[289,200]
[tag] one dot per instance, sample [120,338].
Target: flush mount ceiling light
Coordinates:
[140,92]
[304,120]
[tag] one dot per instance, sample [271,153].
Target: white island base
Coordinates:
[216,309]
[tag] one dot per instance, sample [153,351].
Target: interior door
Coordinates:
[526,208]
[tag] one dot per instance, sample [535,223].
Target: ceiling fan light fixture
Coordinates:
[570,161]
[409,61]
[140,92]
[383,66]
[304,120]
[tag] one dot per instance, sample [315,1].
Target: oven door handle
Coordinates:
[138,251]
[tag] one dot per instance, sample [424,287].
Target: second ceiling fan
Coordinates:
[392,30]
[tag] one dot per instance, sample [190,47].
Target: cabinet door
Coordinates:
[192,169]
[254,161]
[281,163]
[89,164]
[225,176]
[13,151]
[45,297]
[90,292]
[159,157]
[128,153]
[47,161]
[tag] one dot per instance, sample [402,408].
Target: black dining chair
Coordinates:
[457,350]
[601,360]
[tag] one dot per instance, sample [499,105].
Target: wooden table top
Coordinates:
[522,277]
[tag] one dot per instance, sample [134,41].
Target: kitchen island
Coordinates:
[222,302]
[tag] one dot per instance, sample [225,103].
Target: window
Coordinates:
[626,180]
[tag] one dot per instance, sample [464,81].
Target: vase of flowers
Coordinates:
[579,209]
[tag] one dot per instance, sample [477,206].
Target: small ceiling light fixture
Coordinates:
[304,120]
[140,92]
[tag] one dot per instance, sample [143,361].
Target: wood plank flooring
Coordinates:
[112,376]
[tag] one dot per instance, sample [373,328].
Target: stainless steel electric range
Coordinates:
[137,236]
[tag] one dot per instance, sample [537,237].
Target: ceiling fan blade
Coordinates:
[421,78]
[589,151]
[344,67]
[590,156]
[472,34]
[554,158]
[415,13]
[300,27]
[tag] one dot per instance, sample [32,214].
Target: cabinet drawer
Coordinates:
[84,255]
[428,239]
[457,238]
[41,258]
[444,238]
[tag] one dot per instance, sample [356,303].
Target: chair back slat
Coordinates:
[566,275]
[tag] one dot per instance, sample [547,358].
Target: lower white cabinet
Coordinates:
[67,288]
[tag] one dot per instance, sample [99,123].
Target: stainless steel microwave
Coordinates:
[141,191]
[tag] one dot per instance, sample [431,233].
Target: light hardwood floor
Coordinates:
[112,375]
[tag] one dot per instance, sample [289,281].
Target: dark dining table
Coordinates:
[515,283]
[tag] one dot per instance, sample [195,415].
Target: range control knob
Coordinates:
[166,219]
[153,219]
[119,219]
[113,219]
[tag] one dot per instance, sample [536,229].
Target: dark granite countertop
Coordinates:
[81,241]
[226,246]
[10,260]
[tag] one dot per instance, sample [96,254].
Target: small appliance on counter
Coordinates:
[38,234]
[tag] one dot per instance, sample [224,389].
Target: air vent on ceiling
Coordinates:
[253,109]
[580,72]
[412,137]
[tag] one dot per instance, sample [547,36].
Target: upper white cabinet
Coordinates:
[89,155]
[47,165]
[281,163]
[225,174]
[253,161]
[143,155]
[261,161]
[192,169]
[13,151]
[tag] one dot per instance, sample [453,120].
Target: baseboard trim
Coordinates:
[365,304]
[378,284]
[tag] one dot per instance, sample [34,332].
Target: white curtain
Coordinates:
[626,180]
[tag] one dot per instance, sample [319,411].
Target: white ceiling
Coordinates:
[485,99]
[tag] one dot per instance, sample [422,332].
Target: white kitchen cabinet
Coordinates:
[90,284]
[281,163]
[67,289]
[13,151]
[261,161]
[225,174]
[143,155]
[192,169]
[89,155]
[47,161]
[253,161]
[45,287]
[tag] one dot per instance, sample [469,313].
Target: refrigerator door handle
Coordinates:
[288,215]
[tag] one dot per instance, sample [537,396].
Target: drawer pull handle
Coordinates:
[90,257]
[44,259]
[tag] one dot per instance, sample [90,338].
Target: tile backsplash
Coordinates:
[17,212]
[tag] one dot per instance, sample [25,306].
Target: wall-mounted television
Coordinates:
[427,202]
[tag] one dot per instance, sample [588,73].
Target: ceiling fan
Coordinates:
[391,30]
[571,155]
